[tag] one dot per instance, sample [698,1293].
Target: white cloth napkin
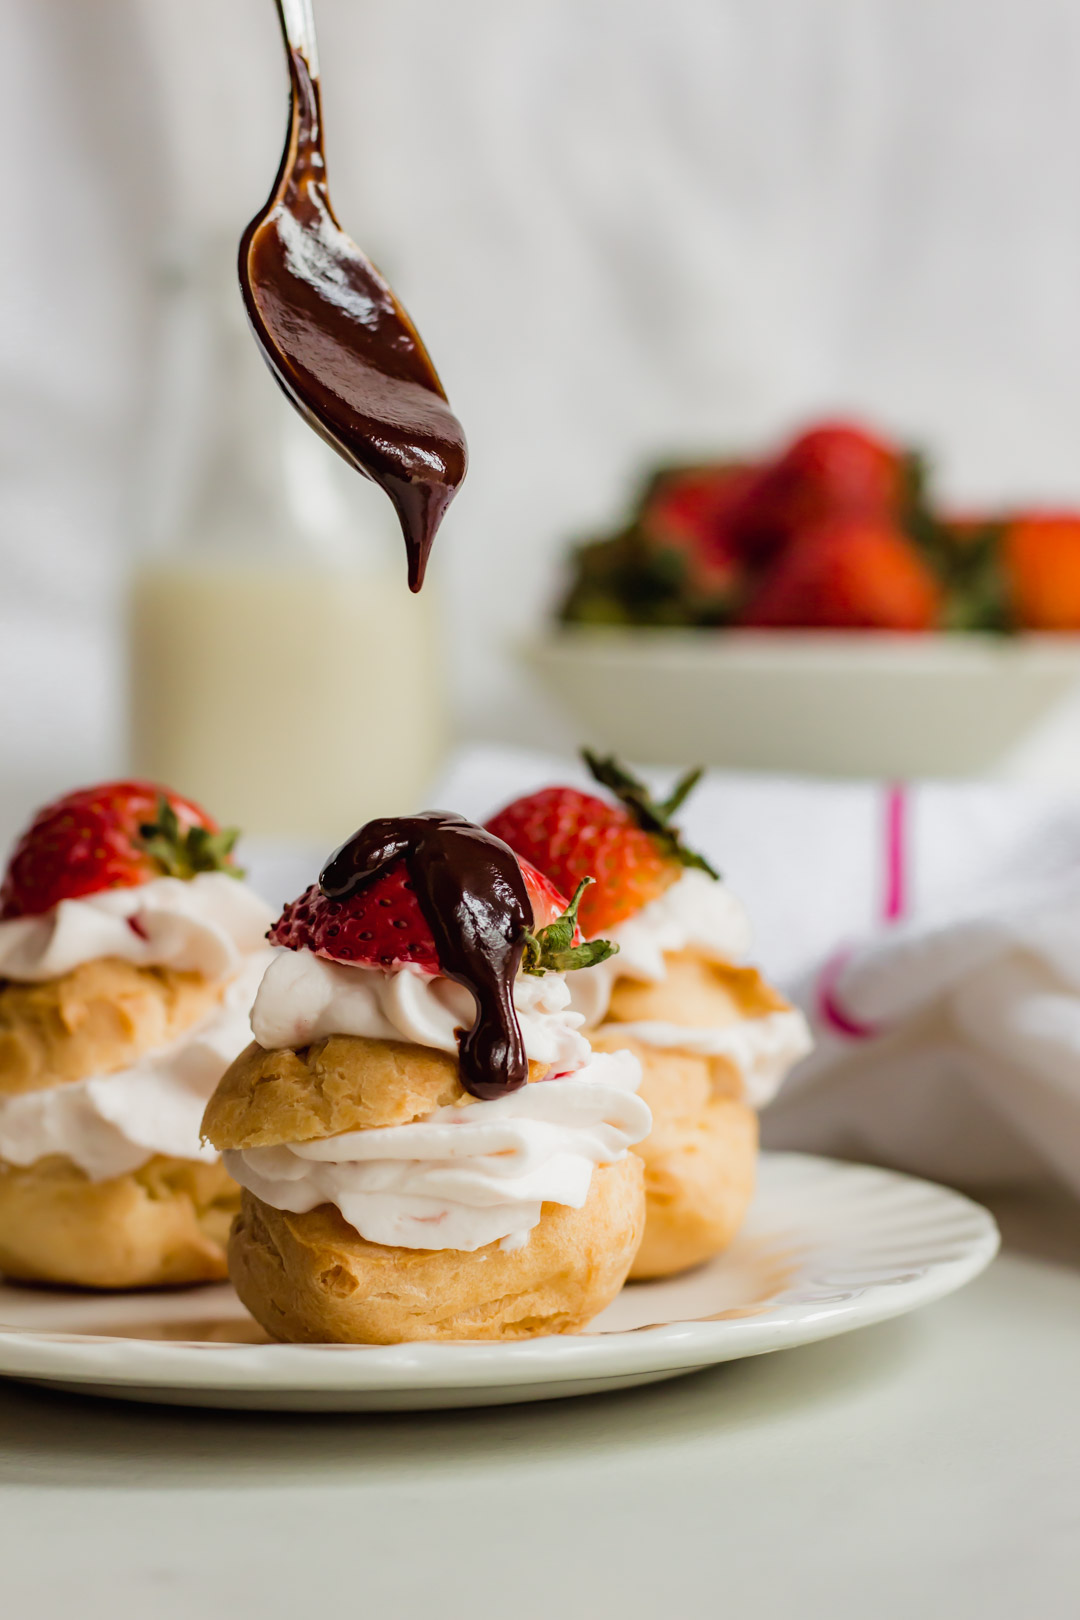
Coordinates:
[930,932]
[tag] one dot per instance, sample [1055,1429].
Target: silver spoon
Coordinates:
[333,333]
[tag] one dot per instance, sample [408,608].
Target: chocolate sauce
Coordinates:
[339,343]
[473,898]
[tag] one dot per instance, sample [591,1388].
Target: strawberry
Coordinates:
[836,469]
[114,836]
[629,848]
[850,574]
[1041,564]
[688,511]
[384,927]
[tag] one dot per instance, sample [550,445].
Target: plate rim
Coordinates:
[57,1355]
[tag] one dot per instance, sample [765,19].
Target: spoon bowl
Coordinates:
[333,333]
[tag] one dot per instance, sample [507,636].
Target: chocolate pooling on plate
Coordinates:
[339,343]
[473,898]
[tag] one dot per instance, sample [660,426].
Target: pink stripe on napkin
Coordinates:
[896,874]
[830,1008]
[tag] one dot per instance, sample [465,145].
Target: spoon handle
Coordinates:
[298,26]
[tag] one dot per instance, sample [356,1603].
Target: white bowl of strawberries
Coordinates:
[815,612]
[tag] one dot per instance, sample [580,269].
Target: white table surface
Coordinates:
[927,1467]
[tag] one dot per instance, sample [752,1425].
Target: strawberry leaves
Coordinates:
[650,816]
[183,854]
[553,949]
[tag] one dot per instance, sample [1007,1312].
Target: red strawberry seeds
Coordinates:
[573,835]
[630,849]
[383,926]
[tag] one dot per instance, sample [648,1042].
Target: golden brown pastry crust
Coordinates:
[166,1222]
[101,1017]
[699,1180]
[344,1083]
[700,1155]
[312,1279]
[699,990]
[682,1082]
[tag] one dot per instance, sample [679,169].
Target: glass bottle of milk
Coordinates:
[281,672]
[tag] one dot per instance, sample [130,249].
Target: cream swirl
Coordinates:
[696,911]
[206,925]
[306,998]
[111,1124]
[467,1176]
[761,1049]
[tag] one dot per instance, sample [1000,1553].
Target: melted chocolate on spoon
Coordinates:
[339,343]
[473,898]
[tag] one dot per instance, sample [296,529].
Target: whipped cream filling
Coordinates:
[112,1124]
[762,1049]
[206,925]
[464,1176]
[696,911]
[306,998]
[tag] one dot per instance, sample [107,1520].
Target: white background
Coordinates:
[624,228]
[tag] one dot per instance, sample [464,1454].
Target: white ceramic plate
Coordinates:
[826,1248]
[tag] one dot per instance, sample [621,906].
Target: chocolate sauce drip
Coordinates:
[339,343]
[473,898]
